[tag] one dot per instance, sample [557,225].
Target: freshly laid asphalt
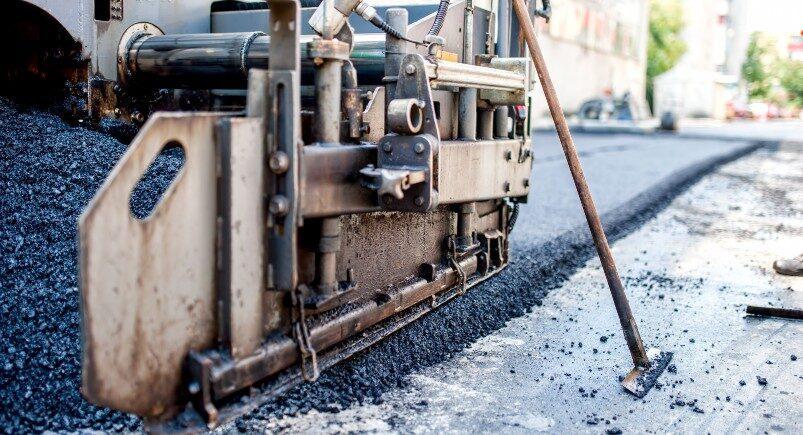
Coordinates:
[50,170]
[688,272]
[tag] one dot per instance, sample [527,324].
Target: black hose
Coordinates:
[514,215]
[440,16]
[385,27]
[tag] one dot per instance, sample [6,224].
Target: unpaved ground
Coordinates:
[689,272]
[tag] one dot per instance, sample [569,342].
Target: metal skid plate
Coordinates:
[148,286]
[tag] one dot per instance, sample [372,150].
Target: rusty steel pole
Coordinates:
[600,241]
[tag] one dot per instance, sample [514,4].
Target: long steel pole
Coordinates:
[600,241]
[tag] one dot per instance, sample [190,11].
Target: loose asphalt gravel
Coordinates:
[50,171]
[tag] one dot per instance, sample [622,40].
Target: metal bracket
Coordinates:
[404,173]
[283,136]
[407,160]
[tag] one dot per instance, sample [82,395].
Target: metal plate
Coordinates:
[148,286]
[242,252]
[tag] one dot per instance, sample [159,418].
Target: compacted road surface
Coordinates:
[689,272]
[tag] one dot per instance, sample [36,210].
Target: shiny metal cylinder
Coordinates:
[395,50]
[327,101]
[467,97]
[502,50]
[222,60]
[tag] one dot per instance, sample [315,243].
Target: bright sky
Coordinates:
[776,16]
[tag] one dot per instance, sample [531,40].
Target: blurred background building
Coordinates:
[594,47]
[707,81]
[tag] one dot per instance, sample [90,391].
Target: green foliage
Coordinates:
[759,66]
[792,81]
[664,46]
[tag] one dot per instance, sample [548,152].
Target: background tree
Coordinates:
[759,65]
[664,46]
[792,81]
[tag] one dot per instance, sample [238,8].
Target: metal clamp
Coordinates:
[390,181]
[302,337]
[319,49]
[455,264]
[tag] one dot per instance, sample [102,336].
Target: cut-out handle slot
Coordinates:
[157,179]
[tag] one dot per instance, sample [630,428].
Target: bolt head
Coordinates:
[419,148]
[387,147]
[409,69]
[508,155]
[279,162]
[279,205]
[419,201]
[506,186]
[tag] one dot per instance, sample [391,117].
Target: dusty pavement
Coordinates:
[689,272]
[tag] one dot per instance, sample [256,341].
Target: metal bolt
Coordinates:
[419,201]
[137,117]
[506,186]
[526,182]
[387,147]
[508,155]
[279,162]
[409,69]
[419,148]
[279,205]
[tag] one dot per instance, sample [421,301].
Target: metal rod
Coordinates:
[786,313]
[502,50]
[626,319]
[486,124]
[467,97]
[395,49]
[328,81]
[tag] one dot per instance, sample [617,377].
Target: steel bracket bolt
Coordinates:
[508,155]
[279,205]
[419,148]
[419,201]
[387,147]
[279,162]
[409,69]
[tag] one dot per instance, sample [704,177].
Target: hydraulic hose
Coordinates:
[368,13]
[440,16]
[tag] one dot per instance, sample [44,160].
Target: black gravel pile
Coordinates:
[49,171]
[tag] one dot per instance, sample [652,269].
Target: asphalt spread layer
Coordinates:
[535,269]
[50,170]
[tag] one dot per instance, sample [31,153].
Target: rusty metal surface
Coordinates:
[416,239]
[148,286]
[330,180]
[472,171]
[241,234]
